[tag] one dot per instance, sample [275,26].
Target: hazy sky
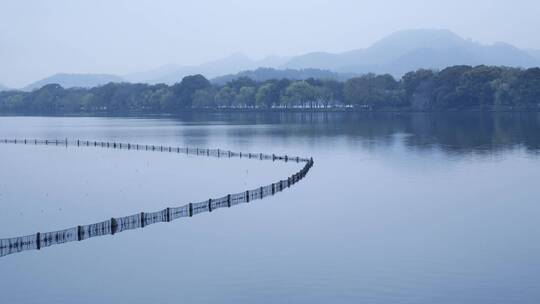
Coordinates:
[39,38]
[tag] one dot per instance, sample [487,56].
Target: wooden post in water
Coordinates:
[168,214]
[38,241]
[228,201]
[210,205]
[114,226]
[142,220]
[190,209]
[79,233]
[247,196]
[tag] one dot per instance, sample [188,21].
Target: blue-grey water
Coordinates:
[416,208]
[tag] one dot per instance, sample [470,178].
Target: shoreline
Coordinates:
[273,111]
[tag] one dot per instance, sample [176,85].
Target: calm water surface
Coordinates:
[397,209]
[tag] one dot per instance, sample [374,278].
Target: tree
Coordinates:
[239,83]
[46,98]
[370,90]
[444,93]
[412,80]
[503,86]
[265,96]
[160,98]
[526,88]
[331,92]
[183,91]
[204,98]
[300,93]
[456,87]
[246,97]
[225,97]
[476,86]
[279,91]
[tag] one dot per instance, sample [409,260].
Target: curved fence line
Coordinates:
[140,220]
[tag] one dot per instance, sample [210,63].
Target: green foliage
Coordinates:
[371,90]
[246,97]
[457,87]
[300,93]
[204,98]
[266,96]
[526,88]
[225,97]
[476,86]
[184,91]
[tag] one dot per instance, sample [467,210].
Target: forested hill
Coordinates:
[264,74]
[454,88]
[75,80]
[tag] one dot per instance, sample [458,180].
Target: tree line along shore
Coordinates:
[453,88]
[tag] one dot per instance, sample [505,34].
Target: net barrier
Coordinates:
[140,220]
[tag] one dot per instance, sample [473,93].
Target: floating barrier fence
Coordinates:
[140,220]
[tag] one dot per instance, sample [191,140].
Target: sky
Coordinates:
[40,38]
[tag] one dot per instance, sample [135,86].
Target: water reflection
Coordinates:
[396,210]
[454,133]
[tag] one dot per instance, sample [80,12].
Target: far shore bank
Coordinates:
[277,111]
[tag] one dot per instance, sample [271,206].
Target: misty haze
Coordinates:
[269,151]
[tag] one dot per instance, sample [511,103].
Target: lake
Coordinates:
[410,208]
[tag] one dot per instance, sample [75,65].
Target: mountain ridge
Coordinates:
[264,74]
[441,48]
[73,80]
[234,63]
[395,54]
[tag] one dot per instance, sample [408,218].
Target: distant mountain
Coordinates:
[413,49]
[263,74]
[3,88]
[235,63]
[75,80]
[395,54]
[535,54]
